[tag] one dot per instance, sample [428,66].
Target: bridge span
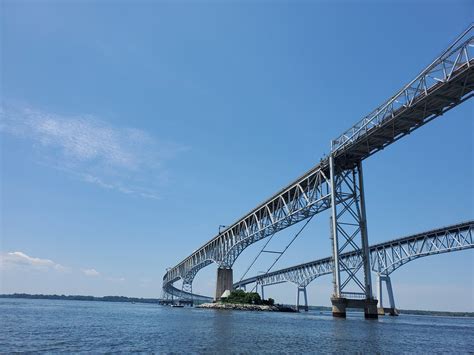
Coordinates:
[336,183]
[385,258]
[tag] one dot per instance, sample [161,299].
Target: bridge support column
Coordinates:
[391,299]
[224,281]
[188,288]
[262,290]
[340,305]
[352,278]
[298,292]
[381,310]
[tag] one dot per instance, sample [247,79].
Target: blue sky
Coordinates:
[131,130]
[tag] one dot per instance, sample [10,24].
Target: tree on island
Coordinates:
[242,297]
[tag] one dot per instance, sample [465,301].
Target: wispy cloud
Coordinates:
[18,258]
[20,261]
[127,160]
[90,272]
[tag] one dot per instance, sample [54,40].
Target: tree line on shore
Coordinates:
[83,298]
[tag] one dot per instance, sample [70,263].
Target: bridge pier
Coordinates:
[301,289]
[224,281]
[340,305]
[388,283]
[349,235]
[262,291]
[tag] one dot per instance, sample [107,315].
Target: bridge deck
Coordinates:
[436,101]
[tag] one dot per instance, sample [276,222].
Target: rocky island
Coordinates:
[245,301]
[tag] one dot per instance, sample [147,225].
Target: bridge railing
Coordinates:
[457,55]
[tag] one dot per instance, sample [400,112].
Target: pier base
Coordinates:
[340,305]
[387,310]
[224,281]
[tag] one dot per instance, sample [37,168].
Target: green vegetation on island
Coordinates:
[242,297]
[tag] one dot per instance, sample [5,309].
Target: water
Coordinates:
[78,326]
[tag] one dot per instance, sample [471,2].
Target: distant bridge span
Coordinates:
[385,257]
[336,183]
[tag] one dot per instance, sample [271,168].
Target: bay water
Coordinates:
[28,325]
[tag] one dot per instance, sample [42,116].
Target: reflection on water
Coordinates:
[46,325]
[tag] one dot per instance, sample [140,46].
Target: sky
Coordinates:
[130,130]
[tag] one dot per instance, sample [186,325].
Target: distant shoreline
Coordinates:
[157,301]
[82,298]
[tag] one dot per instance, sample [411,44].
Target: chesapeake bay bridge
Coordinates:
[336,184]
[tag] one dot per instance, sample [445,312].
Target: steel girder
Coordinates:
[169,291]
[389,256]
[309,195]
[444,84]
[385,257]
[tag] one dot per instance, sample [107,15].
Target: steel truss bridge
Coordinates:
[385,258]
[336,182]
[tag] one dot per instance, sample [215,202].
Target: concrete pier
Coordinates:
[224,281]
[340,305]
[303,290]
[370,309]
[381,310]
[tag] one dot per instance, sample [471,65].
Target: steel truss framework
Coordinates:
[348,225]
[444,84]
[385,257]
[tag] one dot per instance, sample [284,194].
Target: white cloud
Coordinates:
[20,272]
[20,259]
[127,160]
[90,272]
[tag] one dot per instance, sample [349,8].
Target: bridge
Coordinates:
[336,184]
[385,258]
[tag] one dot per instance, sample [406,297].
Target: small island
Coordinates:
[246,301]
